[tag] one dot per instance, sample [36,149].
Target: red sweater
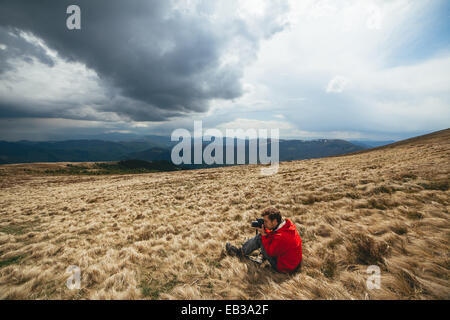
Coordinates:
[286,245]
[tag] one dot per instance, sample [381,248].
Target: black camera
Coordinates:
[258,223]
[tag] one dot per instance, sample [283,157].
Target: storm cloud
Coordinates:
[154,59]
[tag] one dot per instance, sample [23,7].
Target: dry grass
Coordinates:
[162,235]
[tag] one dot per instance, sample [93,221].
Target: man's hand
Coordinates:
[262,230]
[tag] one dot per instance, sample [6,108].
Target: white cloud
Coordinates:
[244,124]
[331,47]
[327,134]
[118,131]
[337,84]
[64,89]
[375,18]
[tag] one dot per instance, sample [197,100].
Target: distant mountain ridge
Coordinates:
[70,150]
[370,143]
[151,149]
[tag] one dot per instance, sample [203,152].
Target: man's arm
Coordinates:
[272,244]
[262,230]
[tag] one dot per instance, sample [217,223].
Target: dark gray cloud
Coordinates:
[158,61]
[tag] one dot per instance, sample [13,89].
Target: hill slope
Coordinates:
[162,235]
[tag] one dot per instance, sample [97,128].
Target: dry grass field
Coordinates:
[162,235]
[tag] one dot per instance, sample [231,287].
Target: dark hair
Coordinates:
[273,213]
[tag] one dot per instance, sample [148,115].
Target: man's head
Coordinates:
[272,217]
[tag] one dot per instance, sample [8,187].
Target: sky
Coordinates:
[375,70]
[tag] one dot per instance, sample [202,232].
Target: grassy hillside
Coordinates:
[88,168]
[162,235]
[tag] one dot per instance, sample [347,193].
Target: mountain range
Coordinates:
[154,148]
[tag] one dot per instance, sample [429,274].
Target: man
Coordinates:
[278,240]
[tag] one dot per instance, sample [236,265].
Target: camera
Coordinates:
[258,223]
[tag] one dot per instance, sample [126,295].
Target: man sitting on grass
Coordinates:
[278,240]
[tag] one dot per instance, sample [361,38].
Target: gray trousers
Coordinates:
[256,243]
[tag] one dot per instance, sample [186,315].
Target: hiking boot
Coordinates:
[233,251]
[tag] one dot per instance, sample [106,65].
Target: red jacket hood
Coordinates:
[288,225]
